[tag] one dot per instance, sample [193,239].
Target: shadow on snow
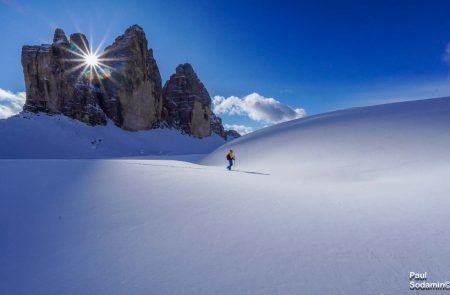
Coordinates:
[199,168]
[250,172]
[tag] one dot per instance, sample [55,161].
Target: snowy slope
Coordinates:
[30,135]
[348,202]
[377,137]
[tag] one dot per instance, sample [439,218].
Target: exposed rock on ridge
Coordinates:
[53,86]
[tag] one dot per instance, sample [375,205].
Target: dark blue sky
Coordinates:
[317,55]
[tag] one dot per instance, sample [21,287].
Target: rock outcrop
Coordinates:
[187,106]
[132,95]
[53,84]
[232,134]
[126,87]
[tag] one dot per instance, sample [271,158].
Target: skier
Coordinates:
[230,158]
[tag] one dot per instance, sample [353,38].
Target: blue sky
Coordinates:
[311,55]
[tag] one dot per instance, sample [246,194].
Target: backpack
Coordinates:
[228,157]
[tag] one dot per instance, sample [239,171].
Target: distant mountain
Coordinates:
[126,88]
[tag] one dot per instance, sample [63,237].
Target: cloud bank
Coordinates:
[11,103]
[256,107]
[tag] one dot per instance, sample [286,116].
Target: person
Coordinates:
[230,158]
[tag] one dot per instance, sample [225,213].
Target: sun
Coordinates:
[91,65]
[91,59]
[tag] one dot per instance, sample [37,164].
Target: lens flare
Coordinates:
[92,64]
[91,59]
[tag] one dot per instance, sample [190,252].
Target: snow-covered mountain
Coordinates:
[41,136]
[348,202]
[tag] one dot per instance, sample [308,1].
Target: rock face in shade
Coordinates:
[232,134]
[187,104]
[53,86]
[132,96]
[128,90]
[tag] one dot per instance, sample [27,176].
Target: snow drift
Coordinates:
[41,136]
[376,137]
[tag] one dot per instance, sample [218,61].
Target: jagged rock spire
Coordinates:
[60,37]
[187,104]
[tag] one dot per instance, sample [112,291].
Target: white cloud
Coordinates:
[241,129]
[447,53]
[256,107]
[11,103]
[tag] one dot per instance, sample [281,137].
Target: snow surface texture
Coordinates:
[29,135]
[348,202]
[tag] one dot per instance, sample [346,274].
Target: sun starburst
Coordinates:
[91,59]
[92,64]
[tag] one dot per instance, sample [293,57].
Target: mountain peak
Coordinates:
[134,28]
[59,36]
[185,69]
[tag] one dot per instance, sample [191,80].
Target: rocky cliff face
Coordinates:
[132,95]
[126,88]
[187,102]
[53,84]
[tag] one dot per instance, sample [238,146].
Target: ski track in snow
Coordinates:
[169,166]
[249,172]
